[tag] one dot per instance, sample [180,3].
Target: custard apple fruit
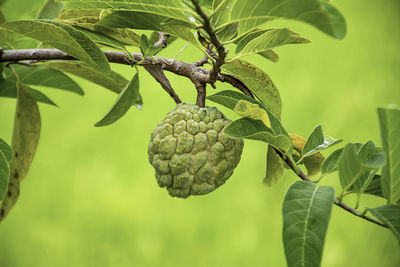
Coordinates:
[190,153]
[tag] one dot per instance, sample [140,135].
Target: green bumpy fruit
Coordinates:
[190,153]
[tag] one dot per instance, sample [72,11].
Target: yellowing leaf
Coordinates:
[252,111]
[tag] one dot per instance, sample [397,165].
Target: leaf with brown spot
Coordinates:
[25,139]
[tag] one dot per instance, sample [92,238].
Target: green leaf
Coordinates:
[227,33]
[9,89]
[4,175]
[2,18]
[125,100]
[113,82]
[306,213]
[25,139]
[26,133]
[246,128]
[101,38]
[146,21]
[315,139]
[316,142]
[173,9]
[146,48]
[269,39]
[390,215]
[331,163]
[88,18]
[258,82]
[313,163]
[252,13]
[249,110]
[44,76]
[275,168]
[389,119]
[63,37]
[6,150]
[350,168]
[50,10]
[245,39]
[371,157]
[374,188]
[230,99]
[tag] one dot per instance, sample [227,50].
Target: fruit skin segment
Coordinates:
[190,153]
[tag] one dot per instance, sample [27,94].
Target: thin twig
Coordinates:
[162,39]
[337,202]
[222,52]
[201,62]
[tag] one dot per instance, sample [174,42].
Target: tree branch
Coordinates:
[188,70]
[199,76]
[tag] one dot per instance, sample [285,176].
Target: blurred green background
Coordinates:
[91,198]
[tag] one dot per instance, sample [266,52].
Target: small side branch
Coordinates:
[337,202]
[162,39]
[236,83]
[221,50]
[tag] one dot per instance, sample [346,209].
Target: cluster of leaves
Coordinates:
[363,169]
[81,28]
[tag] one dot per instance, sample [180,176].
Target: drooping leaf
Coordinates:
[146,48]
[268,40]
[173,9]
[253,13]
[113,82]
[25,139]
[306,213]
[275,168]
[147,21]
[230,99]
[390,215]
[4,175]
[331,163]
[9,89]
[26,132]
[253,111]
[389,119]
[63,37]
[50,9]
[6,150]
[128,97]
[258,82]
[246,128]
[44,76]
